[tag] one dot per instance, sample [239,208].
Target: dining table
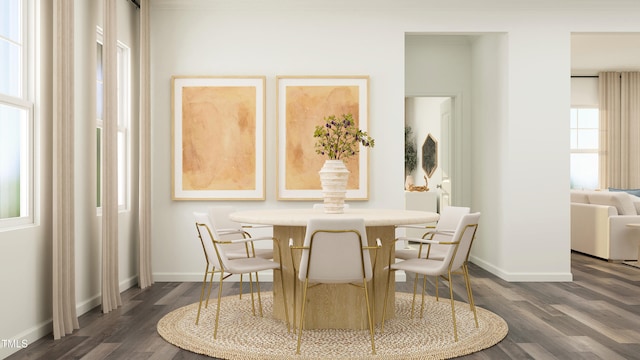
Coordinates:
[333,306]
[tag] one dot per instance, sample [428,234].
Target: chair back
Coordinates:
[450,217]
[214,252]
[219,216]
[465,233]
[335,252]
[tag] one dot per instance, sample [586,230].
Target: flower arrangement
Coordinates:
[339,138]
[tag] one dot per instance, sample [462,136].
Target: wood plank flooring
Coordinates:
[597,316]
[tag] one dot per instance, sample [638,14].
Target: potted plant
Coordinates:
[410,156]
[338,139]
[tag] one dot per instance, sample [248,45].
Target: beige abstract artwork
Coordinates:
[218,138]
[306,107]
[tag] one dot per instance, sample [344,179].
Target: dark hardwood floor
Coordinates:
[597,316]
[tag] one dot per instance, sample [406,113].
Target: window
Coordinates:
[584,148]
[123,92]
[16,116]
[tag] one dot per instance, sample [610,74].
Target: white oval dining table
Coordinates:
[337,306]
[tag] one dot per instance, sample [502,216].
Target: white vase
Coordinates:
[333,177]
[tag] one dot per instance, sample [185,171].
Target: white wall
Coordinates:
[512,78]
[584,91]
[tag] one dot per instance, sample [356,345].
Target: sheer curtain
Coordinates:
[619,94]
[110,280]
[65,319]
[145,277]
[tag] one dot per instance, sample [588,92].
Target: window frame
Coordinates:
[123,128]
[578,150]
[25,102]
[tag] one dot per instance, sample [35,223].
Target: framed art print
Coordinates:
[218,137]
[302,103]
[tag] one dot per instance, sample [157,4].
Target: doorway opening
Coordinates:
[429,121]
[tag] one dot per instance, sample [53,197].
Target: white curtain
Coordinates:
[630,130]
[145,277]
[65,319]
[110,280]
[619,94]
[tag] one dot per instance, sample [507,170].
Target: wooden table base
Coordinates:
[337,306]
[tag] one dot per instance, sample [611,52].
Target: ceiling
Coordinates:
[594,52]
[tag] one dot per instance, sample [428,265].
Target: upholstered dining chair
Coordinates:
[455,261]
[231,230]
[449,218]
[228,229]
[335,251]
[218,261]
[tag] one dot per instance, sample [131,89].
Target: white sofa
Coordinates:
[598,224]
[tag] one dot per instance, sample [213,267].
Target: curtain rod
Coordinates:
[584,76]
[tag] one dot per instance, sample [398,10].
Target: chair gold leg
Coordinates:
[241,286]
[215,329]
[453,309]
[284,298]
[415,289]
[424,287]
[366,296]
[295,303]
[213,272]
[204,285]
[300,326]
[470,293]
[386,298]
[253,303]
[259,297]
[437,295]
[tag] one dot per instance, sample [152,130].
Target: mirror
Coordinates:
[430,155]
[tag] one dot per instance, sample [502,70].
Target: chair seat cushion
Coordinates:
[437,253]
[242,253]
[247,265]
[429,267]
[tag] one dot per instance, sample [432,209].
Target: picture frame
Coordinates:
[218,137]
[302,103]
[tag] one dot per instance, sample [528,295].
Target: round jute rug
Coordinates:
[242,336]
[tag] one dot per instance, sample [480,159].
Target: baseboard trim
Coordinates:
[27,337]
[521,277]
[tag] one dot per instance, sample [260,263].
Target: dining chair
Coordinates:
[335,251]
[455,261]
[228,229]
[218,261]
[449,218]
[231,230]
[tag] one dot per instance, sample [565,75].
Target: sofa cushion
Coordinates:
[636,201]
[620,200]
[579,196]
[634,192]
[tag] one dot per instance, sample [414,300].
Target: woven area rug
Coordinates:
[242,336]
